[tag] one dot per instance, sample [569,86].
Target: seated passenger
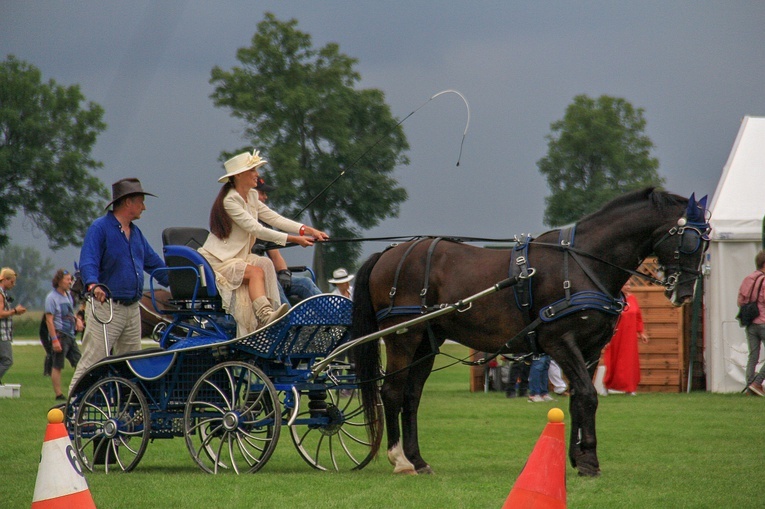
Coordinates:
[298,287]
[247,282]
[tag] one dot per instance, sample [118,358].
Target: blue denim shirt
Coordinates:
[108,258]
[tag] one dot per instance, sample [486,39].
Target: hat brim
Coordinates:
[341,280]
[225,177]
[126,195]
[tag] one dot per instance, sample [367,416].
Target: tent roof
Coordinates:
[738,206]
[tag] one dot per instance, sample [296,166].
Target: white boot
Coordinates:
[265,313]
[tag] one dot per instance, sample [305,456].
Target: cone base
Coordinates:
[80,500]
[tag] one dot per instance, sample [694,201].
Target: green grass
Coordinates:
[27,325]
[656,450]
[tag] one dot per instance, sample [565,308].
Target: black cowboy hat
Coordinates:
[126,187]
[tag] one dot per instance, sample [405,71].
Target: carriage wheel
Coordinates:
[335,438]
[232,419]
[111,425]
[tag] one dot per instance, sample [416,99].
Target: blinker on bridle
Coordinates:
[692,233]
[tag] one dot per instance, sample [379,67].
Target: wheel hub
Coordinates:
[230,421]
[336,420]
[111,428]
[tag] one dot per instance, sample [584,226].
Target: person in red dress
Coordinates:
[621,355]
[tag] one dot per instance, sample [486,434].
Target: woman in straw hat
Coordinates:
[247,282]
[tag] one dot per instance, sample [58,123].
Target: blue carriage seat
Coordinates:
[192,280]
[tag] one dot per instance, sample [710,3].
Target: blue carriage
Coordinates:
[227,396]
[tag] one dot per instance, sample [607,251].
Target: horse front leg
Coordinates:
[583,405]
[418,375]
[583,443]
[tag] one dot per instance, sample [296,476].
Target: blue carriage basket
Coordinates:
[227,396]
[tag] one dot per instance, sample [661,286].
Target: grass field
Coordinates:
[694,450]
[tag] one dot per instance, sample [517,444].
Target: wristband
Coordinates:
[302,230]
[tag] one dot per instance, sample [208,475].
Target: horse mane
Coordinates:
[658,199]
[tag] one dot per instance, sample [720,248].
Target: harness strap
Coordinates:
[428,259]
[424,292]
[392,293]
[519,269]
[566,240]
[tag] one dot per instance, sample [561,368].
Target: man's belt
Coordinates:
[126,302]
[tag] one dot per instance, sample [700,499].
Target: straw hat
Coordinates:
[125,187]
[340,276]
[241,163]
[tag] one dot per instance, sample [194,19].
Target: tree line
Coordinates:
[302,108]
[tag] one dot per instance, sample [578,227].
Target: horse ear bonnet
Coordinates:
[696,211]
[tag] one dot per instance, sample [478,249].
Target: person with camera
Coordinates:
[7,281]
[752,290]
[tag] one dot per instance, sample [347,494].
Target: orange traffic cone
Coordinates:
[60,483]
[542,482]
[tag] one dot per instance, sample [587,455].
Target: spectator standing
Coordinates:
[115,254]
[63,325]
[342,281]
[7,282]
[621,355]
[538,379]
[518,383]
[556,379]
[755,332]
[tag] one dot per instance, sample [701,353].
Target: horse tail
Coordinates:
[367,355]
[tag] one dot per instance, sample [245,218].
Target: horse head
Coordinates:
[78,290]
[681,251]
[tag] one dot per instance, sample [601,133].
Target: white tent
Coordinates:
[737,208]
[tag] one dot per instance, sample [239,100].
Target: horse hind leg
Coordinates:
[418,375]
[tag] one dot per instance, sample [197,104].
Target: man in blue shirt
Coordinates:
[114,256]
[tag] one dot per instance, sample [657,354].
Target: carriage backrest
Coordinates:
[180,250]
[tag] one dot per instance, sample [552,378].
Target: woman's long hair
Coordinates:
[220,221]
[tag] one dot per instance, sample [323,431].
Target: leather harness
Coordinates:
[522,273]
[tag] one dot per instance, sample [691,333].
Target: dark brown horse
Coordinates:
[572,304]
[152,321]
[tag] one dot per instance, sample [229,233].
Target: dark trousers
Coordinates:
[519,379]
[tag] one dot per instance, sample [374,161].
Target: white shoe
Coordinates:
[536,399]
[547,397]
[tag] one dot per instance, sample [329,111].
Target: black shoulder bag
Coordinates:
[749,311]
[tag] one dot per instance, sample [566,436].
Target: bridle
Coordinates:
[689,237]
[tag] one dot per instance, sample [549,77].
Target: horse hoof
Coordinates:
[425,470]
[588,472]
[405,471]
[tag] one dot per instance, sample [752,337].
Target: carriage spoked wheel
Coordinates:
[232,419]
[330,431]
[111,425]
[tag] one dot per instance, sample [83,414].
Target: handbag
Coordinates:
[749,311]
